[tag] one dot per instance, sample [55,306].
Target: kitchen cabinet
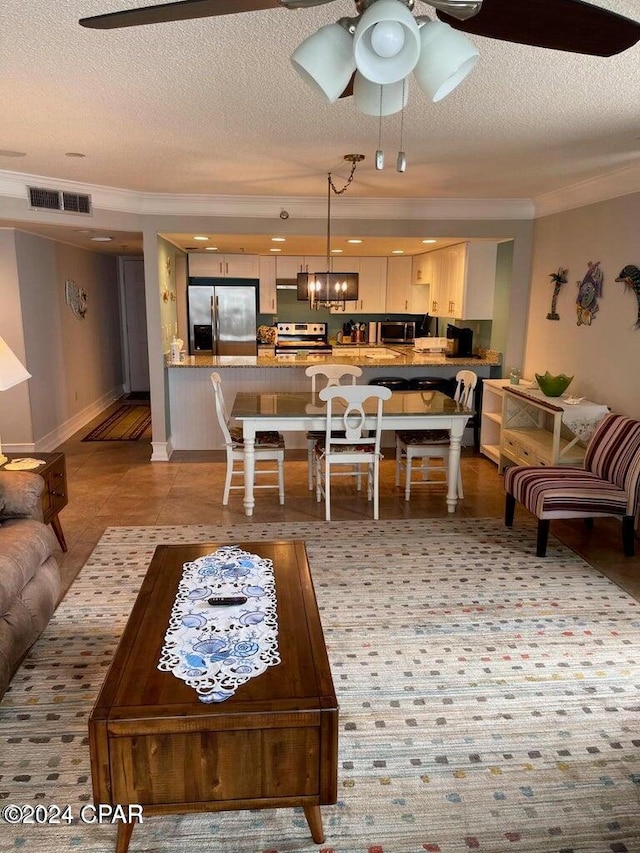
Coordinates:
[531,433]
[267,292]
[372,286]
[463,280]
[224,266]
[422,268]
[402,295]
[288,266]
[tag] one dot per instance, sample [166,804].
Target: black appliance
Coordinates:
[308,337]
[462,342]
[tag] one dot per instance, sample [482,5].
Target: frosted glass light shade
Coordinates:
[325,61]
[446,57]
[366,96]
[402,45]
[12,371]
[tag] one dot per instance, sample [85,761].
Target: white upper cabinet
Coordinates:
[224,266]
[372,286]
[422,268]
[404,297]
[463,281]
[288,266]
[268,296]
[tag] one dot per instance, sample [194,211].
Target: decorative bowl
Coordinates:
[553,386]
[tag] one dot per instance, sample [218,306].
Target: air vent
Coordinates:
[44,199]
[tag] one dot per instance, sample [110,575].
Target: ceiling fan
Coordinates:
[571,25]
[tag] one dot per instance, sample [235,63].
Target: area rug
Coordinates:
[127,423]
[489,699]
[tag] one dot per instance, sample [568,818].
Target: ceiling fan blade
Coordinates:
[570,25]
[348,89]
[183,10]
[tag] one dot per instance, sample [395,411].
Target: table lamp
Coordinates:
[12,372]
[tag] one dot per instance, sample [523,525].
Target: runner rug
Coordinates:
[489,699]
[127,423]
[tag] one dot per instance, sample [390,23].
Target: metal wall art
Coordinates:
[76,298]
[630,275]
[589,291]
[558,278]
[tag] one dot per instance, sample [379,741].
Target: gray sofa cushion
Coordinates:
[19,493]
[25,545]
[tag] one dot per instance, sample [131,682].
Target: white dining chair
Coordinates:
[269,447]
[356,446]
[334,374]
[432,444]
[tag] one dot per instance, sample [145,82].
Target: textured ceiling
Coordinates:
[214,106]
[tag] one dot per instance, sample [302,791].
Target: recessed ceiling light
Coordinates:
[74,154]
[211,248]
[278,240]
[102,239]
[275,250]
[82,231]
[397,251]
[430,241]
[354,241]
[7,153]
[336,251]
[200,237]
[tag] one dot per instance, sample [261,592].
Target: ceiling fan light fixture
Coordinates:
[386,42]
[366,96]
[326,61]
[446,57]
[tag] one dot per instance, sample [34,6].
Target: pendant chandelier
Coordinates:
[328,289]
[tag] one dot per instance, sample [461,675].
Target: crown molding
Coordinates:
[621,182]
[14,185]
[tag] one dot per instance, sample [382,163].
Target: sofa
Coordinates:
[29,575]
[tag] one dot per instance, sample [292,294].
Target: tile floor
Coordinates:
[114,483]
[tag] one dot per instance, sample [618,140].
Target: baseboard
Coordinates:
[161,451]
[63,432]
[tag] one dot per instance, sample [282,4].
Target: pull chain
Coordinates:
[401,163]
[380,152]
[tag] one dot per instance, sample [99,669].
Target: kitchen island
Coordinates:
[191,406]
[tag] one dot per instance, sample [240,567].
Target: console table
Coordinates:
[54,495]
[540,430]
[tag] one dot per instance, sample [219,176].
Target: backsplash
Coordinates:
[290,309]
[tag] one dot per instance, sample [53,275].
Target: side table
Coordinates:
[54,495]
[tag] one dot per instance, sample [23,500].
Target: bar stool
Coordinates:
[396,383]
[430,383]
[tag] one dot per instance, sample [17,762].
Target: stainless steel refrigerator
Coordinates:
[222,316]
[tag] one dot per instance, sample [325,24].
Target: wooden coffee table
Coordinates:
[273,744]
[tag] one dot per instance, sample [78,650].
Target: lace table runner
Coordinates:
[216,649]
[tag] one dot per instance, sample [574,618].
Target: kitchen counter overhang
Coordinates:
[362,358]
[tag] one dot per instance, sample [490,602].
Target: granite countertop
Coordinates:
[404,357]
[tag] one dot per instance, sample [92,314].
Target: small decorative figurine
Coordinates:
[630,275]
[589,290]
[558,278]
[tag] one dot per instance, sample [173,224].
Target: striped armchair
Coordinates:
[609,484]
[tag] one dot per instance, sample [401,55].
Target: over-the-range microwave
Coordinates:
[396,332]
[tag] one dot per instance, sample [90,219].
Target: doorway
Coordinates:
[133,317]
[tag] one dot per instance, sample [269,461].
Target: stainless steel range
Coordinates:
[308,337]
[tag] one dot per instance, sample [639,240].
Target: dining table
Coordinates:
[287,411]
